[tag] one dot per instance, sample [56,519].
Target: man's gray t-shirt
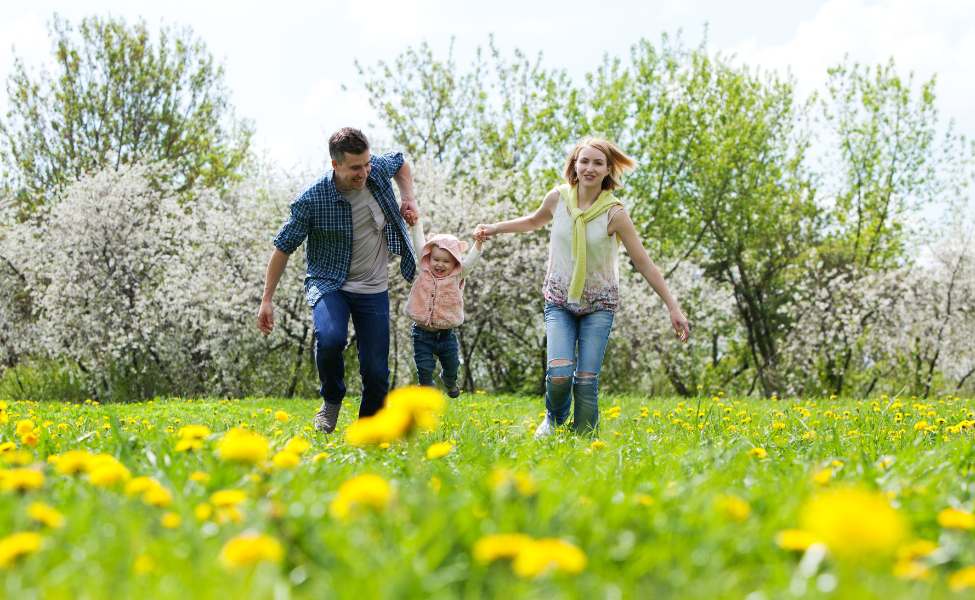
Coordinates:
[370,256]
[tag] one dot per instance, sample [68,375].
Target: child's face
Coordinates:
[442,263]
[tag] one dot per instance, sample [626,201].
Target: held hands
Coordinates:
[483,233]
[680,323]
[265,318]
[409,211]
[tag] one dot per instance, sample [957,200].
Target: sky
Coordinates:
[287,62]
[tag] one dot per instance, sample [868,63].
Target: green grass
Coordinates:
[646,508]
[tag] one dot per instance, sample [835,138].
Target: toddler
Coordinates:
[436,304]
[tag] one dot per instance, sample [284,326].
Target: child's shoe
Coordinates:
[453,390]
[546,429]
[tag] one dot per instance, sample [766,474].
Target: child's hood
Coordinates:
[447,242]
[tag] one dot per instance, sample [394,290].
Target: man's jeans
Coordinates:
[427,346]
[370,317]
[563,331]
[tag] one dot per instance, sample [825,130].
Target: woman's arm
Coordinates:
[622,225]
[541,217]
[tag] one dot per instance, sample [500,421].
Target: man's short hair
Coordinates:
[347,139]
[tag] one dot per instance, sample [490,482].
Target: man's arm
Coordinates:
[275,268]
[404,181]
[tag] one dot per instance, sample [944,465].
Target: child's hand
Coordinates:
[481,232]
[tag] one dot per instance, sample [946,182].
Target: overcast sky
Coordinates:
[286,61]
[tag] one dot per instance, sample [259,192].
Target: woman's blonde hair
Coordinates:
[616,160]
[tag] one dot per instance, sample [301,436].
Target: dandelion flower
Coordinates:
[297,445]
[956,519]
[363,490]
[543,556]
[501,545]
[21,480]
[598,444]
[282,417]
[108,473]
[823,477]
[796,539]
[194,432]
[250,548]
[24,427]
[733,507]
[202,511]
[439,450]
[758,452]
[242,447]
[30,439]
[14,546]
[200,477]
[43,513]
[962,579]
[73,461]
[286,459]
[171,520]
[144,564]
[855,524]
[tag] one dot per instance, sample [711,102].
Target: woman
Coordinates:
[581,296]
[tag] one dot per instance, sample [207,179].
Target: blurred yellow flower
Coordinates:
[733,507]
[598,444]
[171,520]
[16,545]
[363,490]
[501,545]
[386,425]
[285,459]
[956,519]
[200,477]
[241,446]
[962,579]
[7,446]
[439,450]
[106,473]
[73,461]
[20,480]
[320,456]
[29,439]
[796,539]
[157,496]
[226,498]
[543,556]
[194,432]
[856,524]
[187,444]
[45,514]
[297,445]
[758,452]
[144,564]
[24,427]
[503,481]
[823,477]
[250,548]
[916,549]
[202,511]
[281,416]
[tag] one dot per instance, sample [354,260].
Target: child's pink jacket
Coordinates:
[433,302]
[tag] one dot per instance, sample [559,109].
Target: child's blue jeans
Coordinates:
[564,331]
[430,345]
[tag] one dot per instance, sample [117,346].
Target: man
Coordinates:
[350,219]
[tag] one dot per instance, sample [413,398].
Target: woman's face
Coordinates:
[591,167]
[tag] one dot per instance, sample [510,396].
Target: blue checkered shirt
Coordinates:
[324,217]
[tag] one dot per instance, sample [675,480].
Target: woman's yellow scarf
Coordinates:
[570,193]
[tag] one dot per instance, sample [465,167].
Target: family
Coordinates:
[350,222]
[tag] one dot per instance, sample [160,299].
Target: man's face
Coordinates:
[351,173]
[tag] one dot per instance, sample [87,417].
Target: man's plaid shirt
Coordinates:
[324,217]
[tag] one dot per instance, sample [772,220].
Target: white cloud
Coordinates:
[926,37]
[28,36]
[396,20]
[320,97]
[280,148]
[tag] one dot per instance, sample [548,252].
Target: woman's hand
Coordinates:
[483,233]
[680,323]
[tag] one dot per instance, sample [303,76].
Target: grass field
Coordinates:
[712,497]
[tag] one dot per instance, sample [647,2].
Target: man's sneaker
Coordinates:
[327,417]
[546,429]
[453,390]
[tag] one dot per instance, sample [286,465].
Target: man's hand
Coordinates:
[265,318]
[409,211]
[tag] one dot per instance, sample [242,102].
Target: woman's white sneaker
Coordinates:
[546,429]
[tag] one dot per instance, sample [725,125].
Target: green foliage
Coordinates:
[44,379]
[116,97]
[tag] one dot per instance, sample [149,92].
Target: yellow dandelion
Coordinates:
[194,432]
[189,444]
[20,480]
[29,439]
[200,477]
[144,564]
[363,490]
[796,539]
[386,425]
[439,450]
[250,548]
[823,477]
[733,507]
[956,519]
[286,459]
[4,447]
[108,473]
[202,511]
[42,513]
[171,520]
[73,461]
[224,498]
[14,546]
[854,523]
[598,444]
[24,427]
[758,452]
[543,556]
[242,447]
[501,545]
[320,456]
[297,445]
[281,416]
